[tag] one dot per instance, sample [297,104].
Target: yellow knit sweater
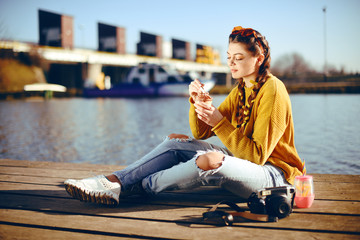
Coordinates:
[269,134]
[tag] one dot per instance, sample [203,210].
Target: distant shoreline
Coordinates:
[307,88]
[293,88]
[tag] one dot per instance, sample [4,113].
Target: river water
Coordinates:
[120,131]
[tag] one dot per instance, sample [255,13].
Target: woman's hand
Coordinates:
[195,88]
[208,114]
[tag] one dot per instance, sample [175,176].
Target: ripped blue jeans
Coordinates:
[172,166]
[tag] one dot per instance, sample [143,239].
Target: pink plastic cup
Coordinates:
[304,191]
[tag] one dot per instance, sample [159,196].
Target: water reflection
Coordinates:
[120,131]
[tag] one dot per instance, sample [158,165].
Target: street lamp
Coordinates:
[325,61]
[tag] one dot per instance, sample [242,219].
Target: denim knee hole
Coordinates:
[205,173]
[178,139]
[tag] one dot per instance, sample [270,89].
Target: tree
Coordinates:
[292,67]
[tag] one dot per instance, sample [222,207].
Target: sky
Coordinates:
[290,26]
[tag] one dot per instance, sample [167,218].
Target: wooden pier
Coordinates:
[35,205]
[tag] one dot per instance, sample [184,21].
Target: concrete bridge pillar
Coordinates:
[91,73]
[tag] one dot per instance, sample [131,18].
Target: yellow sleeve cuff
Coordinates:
[223,128]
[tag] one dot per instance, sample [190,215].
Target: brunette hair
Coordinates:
[256,44]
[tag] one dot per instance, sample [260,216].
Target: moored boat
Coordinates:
[147,80]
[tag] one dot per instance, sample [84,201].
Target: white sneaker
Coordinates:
[96,189]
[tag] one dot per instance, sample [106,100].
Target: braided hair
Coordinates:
[256,44]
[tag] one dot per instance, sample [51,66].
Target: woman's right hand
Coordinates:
[195,88]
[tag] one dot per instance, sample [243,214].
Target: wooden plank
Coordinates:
[31,179]
[175,198]
[47,172]
[331,207]
[336,186]
[325,190]
[90,225]
[30,232]
[58,191]
[349,192]
[58,165]
[36,176]
[109,168]
[180,214]
[336,178]
[8,232]
[163,229]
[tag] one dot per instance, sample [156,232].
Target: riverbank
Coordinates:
[308,87]
[35,205]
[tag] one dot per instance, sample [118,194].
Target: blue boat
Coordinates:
[147,80]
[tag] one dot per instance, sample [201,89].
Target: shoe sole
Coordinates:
[81,195]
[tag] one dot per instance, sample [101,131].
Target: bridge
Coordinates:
[75,68]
